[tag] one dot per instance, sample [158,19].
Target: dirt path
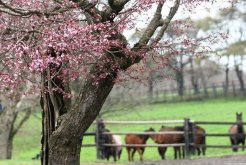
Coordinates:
[223,160]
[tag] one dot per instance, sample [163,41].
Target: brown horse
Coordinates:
[136,139]
[169,139]
[200,139]
[237,133]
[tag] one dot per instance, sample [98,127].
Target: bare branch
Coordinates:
[4,7]
[166,21]
[153,25]
[23,120]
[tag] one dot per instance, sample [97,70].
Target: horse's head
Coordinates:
[150,130]
[239,116]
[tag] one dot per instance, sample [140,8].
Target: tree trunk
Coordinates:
[240,78]
[194,79]
[180,82]
[63,125]
[65,142]
[226,80]
[180,75]
[150,87]
[204,83]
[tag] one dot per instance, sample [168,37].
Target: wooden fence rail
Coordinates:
[189,134]
[144,122]
[213,90]
[146,145]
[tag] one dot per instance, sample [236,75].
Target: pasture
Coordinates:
[27,141]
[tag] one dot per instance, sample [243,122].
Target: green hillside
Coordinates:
[27,141]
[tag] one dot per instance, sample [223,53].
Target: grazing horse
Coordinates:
[114,151]
[237,133]
[200,139]
[136,139]
[117,140]
[108,151]
[169,139]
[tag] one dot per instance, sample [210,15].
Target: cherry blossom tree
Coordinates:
[52,43]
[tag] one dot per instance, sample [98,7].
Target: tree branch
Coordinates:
[117,5]
[23,120]
[153,25]
[4,7]
[166,22]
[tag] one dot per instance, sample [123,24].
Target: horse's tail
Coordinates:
[204,143]
[119,153]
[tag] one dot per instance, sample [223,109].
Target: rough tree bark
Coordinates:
[62,132]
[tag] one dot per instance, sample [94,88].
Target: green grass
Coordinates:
[27,141]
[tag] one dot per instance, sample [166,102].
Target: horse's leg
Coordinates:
[140,152]
[162,151]
[179,152]
[142,148]
[129,153]
[203,151]
[175,152]
[183,152]
[119,153]
[243,142]
[107,156]
[133,152]
[198,151]
[175,149]
[115,154]
[234,142]
[203,148]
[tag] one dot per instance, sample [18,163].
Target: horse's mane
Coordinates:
[240,127]
[145,137]
[179,128]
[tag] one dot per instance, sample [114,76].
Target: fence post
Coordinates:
[97,139]
[100,128]
[187,132]
[193,139]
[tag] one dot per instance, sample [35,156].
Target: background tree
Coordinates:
[13,105]
[233,35]
[64,40]
[238,50]
[187,50]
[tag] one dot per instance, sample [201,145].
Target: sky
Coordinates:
[200,12]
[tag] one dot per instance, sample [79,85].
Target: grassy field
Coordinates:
[27,141]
